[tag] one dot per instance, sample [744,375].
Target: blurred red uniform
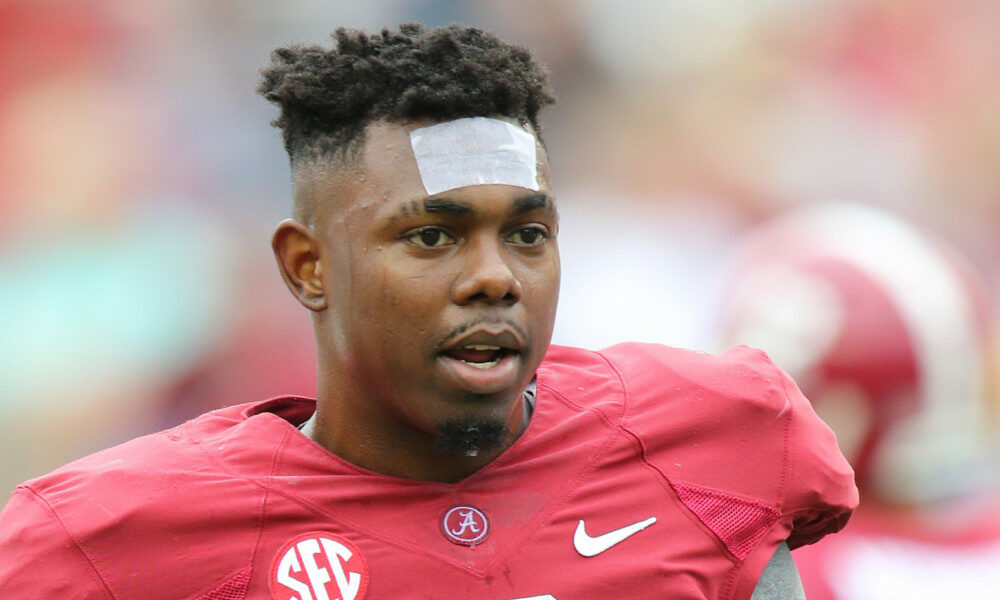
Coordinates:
[887,333]
[952,551]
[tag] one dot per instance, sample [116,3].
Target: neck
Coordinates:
[356,431]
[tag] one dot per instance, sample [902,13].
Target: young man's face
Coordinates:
[439,308]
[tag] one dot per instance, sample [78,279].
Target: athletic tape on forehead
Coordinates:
[474,151]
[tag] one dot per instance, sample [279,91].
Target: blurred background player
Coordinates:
[888,333]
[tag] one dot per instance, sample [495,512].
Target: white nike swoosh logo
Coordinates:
[592,546]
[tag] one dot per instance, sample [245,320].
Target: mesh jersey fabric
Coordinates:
[721,449]
[235,588]
[739,523]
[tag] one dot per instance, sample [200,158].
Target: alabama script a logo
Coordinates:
[318,566]
[466,525]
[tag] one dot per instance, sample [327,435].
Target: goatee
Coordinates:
[471,436]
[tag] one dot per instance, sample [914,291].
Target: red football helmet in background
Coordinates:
[887,333]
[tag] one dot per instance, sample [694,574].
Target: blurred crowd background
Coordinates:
[140,179]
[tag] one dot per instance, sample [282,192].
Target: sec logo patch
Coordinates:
[466,525]
[318,566]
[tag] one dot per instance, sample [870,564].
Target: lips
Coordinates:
[500,335]
[483,360]
[482,356]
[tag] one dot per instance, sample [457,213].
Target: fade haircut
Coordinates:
[328,95]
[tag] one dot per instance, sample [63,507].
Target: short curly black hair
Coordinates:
[328,95]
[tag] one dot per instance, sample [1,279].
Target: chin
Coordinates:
[471,435]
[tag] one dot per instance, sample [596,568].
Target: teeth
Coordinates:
[481,347]
[483,365]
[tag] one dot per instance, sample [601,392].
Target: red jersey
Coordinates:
[645,472]
[950,551]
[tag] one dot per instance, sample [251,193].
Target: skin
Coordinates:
[393,276]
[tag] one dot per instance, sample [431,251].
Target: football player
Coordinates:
[451,451]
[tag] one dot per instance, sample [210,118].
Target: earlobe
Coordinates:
[297,252]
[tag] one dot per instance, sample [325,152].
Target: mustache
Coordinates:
[459,330]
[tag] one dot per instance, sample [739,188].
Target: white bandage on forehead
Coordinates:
[474,151]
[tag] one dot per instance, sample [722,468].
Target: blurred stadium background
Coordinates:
[140,178]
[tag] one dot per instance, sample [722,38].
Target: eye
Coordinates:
[529,236]
[430,237]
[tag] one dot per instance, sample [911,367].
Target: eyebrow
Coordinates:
[461,209]
[531,202]
[443,205]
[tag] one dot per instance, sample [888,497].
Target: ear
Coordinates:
[297,251]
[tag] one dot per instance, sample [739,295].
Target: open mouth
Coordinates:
[484,360]
[481,356]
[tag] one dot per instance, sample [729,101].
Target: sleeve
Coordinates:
[817,493]
[820,493]
[39,559]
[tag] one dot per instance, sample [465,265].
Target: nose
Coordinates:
[486,276]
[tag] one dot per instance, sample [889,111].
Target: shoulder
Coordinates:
[732,372]
[584,380]
[137,463]
[734,427]
[102,511]
[680,391]
[672,391]
[142,478]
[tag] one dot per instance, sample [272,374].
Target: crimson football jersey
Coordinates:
[645,472]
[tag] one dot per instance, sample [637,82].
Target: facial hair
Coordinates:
[471,436]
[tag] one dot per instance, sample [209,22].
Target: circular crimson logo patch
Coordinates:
[318,565]
[466,525]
